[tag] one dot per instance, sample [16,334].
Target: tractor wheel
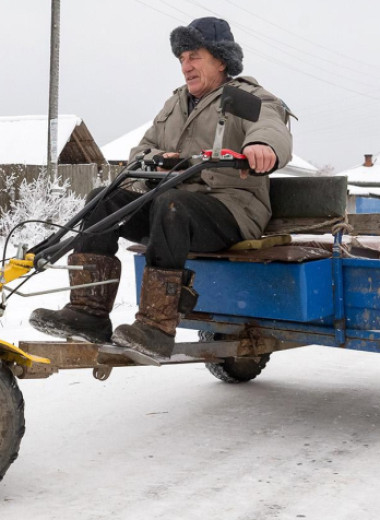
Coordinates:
[235,370]
[12,422]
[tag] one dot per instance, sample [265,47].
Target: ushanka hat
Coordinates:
[214,35]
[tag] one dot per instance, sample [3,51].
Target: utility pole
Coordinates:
[52,157]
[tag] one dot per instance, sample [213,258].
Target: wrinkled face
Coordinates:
[203,73]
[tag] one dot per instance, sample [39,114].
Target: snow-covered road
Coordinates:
[302,441]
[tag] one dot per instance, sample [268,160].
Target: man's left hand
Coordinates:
[261,158]
[168,155]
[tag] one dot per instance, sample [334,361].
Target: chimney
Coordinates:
[368,160]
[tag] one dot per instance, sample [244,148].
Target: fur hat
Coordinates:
[214,35]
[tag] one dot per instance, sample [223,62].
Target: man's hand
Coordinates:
[261,158]
[168,155]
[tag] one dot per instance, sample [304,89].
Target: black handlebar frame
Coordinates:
[52,249]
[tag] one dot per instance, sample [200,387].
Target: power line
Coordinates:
[244,29]
[269,58]
[297,35]
[159,11]
[255,34]
[175,8]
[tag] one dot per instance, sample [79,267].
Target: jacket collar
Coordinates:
[204,102]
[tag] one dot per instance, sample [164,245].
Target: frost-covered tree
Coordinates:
[326,169]
[43,199]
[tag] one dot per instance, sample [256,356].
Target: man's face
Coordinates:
[203,73]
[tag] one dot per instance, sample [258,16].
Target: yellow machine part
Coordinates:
[10,352]
[16,268]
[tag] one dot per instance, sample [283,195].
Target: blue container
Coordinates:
[283,291]
[367,205]
[361,280]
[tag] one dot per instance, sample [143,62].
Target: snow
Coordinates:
[364,192]
[24,138]
[296,167]
[119,149]
[364,175]
[173,443]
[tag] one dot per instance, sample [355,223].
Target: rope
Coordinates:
[312,227]
[343,227]
[338,224]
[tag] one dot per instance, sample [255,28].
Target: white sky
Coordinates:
[117,69]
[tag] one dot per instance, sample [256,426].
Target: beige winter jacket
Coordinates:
[173,130]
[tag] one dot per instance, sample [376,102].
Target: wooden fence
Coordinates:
[82,177]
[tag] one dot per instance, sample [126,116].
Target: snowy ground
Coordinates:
[302,441]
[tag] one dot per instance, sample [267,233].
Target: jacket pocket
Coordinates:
[160,124]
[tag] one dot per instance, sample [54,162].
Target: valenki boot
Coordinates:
[165,294]
[87,314]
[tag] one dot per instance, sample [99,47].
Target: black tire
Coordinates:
[234,370]
[238,370]
[12,421]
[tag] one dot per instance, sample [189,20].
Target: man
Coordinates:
[207,213]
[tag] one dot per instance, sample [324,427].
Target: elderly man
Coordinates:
[208,213]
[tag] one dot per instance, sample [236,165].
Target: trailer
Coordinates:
[303,283]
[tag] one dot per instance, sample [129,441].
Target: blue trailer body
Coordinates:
[333,302]
[280,291]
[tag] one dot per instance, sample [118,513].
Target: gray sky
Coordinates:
[117,69]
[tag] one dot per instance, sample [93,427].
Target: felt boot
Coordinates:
[165,294]
[87,314]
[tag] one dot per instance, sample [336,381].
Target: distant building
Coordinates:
[117,152]
[297,167]
[364,186]
[24,141]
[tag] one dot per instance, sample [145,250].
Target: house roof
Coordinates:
[24,141]
[119,149]
[364,175]
[297,166]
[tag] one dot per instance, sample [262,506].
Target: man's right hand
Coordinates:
[167,155]
[261,158]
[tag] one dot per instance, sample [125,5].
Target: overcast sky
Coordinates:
[116,67]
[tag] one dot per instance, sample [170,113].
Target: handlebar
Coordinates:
[53,248]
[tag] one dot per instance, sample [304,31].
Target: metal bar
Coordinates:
[219,134]
[286,334]
[338,291]
[60,289]
[208,349]
[55,237]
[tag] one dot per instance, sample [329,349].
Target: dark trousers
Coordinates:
[171,225]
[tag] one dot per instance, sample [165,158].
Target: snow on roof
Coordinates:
[363,191]
[364,175]
[118,150]
[296,166]
[24,138]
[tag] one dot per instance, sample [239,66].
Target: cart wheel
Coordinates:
[234,370]
[12,422]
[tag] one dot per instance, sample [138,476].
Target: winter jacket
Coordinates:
[173,130]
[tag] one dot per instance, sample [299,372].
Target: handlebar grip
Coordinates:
[243,164]
[169,162]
